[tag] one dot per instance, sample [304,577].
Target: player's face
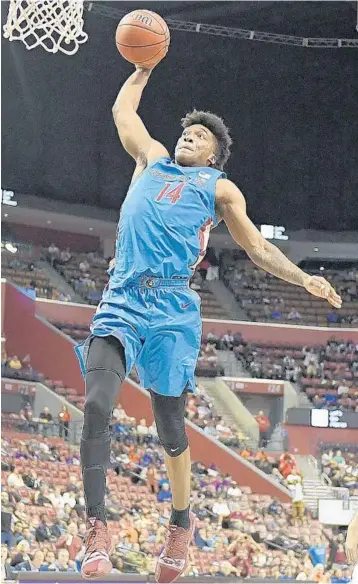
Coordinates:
[196,147]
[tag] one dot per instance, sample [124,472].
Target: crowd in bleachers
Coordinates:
[340,464]
[24,269]
[239,533]
[87,273]
[267,299]
[262,296]
[200,411]
[25,273]
[328,374]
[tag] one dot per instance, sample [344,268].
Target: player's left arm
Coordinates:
[231,207]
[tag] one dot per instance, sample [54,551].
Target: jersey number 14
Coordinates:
[173,194]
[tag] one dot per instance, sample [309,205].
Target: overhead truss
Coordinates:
[235,33]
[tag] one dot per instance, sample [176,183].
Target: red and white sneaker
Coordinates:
[96,562]
[173,561]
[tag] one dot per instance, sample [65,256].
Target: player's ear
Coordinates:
[212,159]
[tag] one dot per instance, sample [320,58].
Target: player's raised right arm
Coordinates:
[132,132]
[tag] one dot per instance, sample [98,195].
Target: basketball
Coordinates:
[143,37]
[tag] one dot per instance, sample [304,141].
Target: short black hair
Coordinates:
[216,125]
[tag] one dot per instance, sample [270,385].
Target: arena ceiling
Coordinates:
[292,110]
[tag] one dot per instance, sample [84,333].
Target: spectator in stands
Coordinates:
[142,431]
[14,363]
[6,571]
[64,418]
[22,554]
[46,420]
[84,266]
[227,340]
[275,508]
[210,354]
[311,370]
[318,553]
[53,252]
[33,564]
[70,541]
[338,458]
[31,480]
[221,510]
[234,491]
[42,496]
[46,530]
[213,338]
[332,317]
[62,563]
[14,480]
[152,479]
[20,512]
[295,485]
[164,493]
[6,520]
[339,577]
[65,256]
[264,427]
[276,314]
[294,315]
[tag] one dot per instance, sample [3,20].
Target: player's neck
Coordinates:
[192,165]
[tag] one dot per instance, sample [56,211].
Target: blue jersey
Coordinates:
[165,222]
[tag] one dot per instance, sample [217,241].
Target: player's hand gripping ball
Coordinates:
[143,38]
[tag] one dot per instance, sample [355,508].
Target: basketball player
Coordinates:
[148,315]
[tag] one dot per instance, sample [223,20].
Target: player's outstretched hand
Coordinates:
[320,287]
[112,263]
[352,541]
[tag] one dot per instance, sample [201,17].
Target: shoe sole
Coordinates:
[103,569]
[187,564]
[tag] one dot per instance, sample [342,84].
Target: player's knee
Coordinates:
[169,415]
[174,445]
[101,388]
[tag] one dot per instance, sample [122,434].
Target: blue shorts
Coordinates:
[159,324]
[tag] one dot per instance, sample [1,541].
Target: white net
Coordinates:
[55,25]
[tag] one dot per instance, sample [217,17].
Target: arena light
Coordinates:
[10,247]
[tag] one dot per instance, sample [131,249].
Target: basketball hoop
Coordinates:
[55,25]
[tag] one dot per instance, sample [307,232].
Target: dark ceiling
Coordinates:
[292,110]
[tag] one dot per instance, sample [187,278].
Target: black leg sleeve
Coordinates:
[105,372]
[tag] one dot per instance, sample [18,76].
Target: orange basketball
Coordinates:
[143,37]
